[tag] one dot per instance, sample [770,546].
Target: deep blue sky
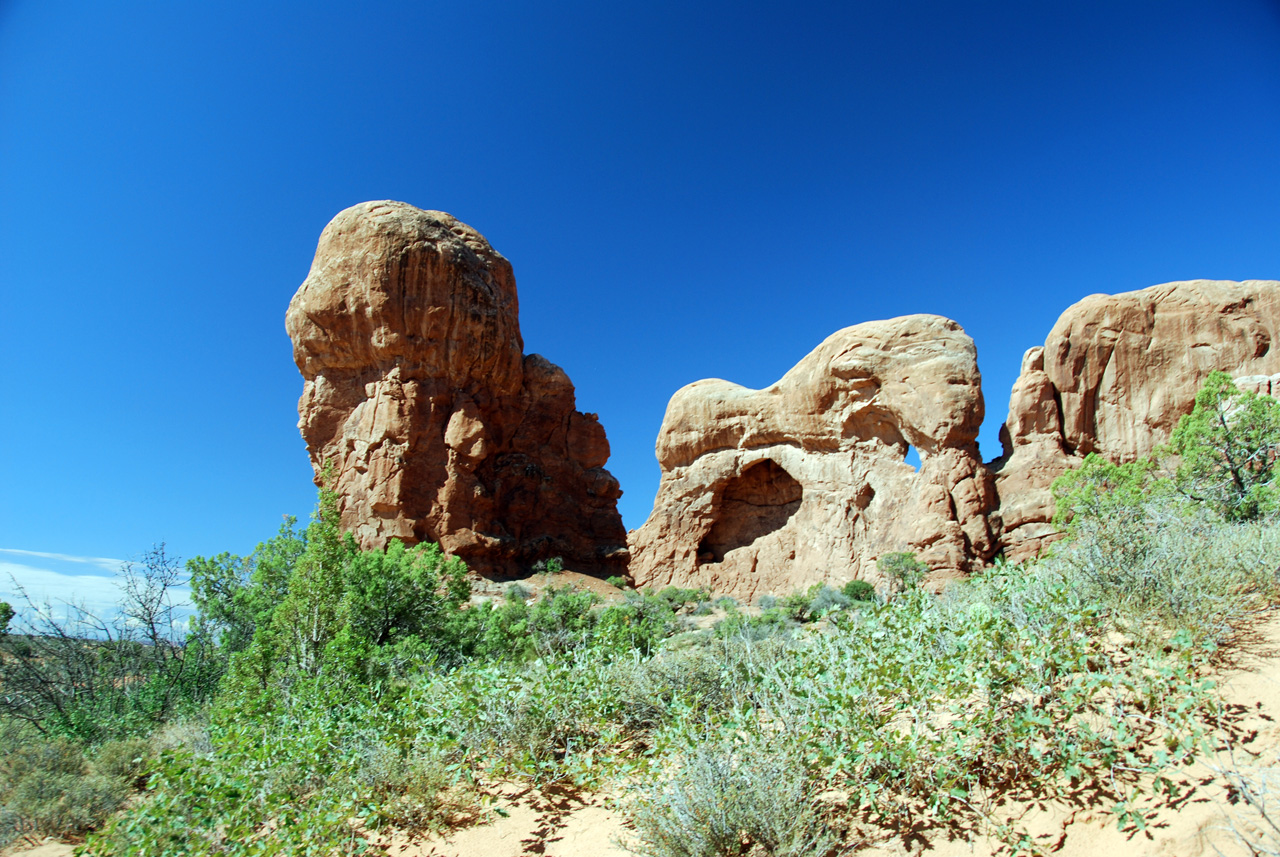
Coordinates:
[686,190]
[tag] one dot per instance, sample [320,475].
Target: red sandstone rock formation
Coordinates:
[1114,377]
[436,424]
[805,481]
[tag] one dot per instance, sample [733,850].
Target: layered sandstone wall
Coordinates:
[435,423]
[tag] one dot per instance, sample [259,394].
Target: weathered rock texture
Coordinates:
[420,398]
[1114,377]
[806,481]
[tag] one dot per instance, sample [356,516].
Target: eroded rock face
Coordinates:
[806,481]
[419,396]
[1114,377]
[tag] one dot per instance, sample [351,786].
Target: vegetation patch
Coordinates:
[324,694]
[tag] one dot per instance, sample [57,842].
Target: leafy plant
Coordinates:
[858,591]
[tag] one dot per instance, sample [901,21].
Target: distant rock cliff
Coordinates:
[436,424]
[438,427]
[1114,377]
[805,481]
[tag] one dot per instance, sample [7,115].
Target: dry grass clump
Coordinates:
[731,796]
[49,788]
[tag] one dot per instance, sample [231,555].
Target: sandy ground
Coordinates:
[48,849]
[1195,825]
[522,820]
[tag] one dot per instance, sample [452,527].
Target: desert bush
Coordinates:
[691,683]
[234,595]
[728,797]
[902,570]
[772,622]
[545,720]
[683,599]
[410,788]
[638,624]
[283,780]
[1253,809]
[553,565]
[1170,566]
[188,734]
[858,591]
[824,599]
[64,805]
[67,671]
[48,789]
[128,760]
[1226,450]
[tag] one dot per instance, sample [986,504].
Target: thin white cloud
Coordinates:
[99,595]
[111,565]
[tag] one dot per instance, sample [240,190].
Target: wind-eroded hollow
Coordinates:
[755,503]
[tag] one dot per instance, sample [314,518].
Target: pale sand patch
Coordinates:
[47,849]
[551,822]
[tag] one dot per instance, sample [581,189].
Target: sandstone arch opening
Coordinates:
[758,501]
[913,458]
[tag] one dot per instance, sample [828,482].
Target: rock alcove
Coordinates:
[757,502]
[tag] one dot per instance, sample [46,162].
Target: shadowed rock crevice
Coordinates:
[753,505]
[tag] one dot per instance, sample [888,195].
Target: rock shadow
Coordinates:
[758,501]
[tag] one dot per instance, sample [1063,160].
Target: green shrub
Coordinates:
[824,599]
[737,625]
[562,619]
[682,599]
[554,565]
[409,788]
[638,624]
[1169,567]
[70,672]
[859,591]
[694,682]
[1227,448]
[47,789]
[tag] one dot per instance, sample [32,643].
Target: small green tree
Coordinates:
[1226,449]
[902,569]
[1099,489]
[236,595]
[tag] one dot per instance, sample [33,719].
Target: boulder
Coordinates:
[807,481]
[432,421]
[1114,377]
